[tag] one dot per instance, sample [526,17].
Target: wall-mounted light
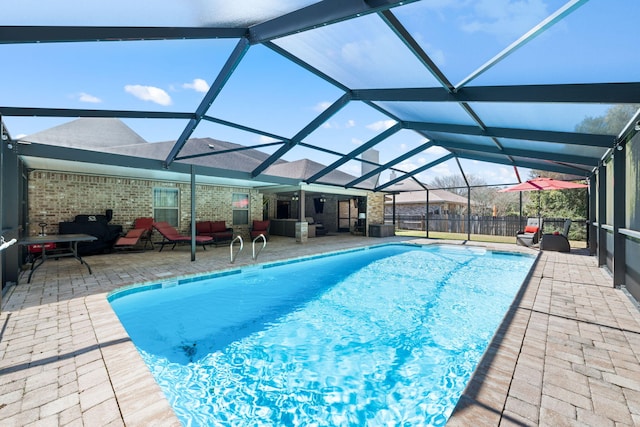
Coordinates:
[322,199]
[295,197]
[637,126]
[619,147]
[362,215]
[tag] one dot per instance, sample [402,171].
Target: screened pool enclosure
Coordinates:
[437,88]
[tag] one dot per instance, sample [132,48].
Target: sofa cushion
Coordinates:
[203,227]
[531,229]
[260,225]
[218,226]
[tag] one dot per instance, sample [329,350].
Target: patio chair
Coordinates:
[171,236]
[145,223]
[130,240]
[531,234]
[260,227]
[557,241]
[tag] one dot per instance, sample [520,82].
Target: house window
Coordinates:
[166,205]
[240,206]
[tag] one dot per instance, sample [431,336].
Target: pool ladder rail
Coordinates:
[4,244]
[254,253]
[264,243]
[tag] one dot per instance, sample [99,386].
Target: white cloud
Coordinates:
[381,125]
[506,18]
[149,93]
[356,141]
[262,139]
[436,150]
[199,85]
[334,125]
[321,106]
[85,97]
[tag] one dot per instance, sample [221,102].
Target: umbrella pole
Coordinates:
[539,217]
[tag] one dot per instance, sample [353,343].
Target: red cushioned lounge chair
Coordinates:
[171,236]
[145,223]
[130,241]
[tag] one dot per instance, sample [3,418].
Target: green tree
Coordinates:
[573,204]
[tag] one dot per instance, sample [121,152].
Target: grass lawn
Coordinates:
[474,237]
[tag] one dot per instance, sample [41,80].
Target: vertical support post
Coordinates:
[302,228]
[193,214]
[426,221]
[602,215]
[468,212]
[393,211]
[592,229]
[520,223]
[619,210]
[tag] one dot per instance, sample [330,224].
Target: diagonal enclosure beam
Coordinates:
[387,165]
[232,62]
[364,147]
[416,49]
[551,20]
[415,171]
[317,15]
[316,123]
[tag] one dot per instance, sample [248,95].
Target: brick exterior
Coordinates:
[375,208]
[60,196]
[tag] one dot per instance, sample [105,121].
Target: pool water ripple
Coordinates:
[393,341]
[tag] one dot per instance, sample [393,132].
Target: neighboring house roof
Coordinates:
[411,192]
[113,136]
[435,196]
[305,168]
[244,160]
[88,133]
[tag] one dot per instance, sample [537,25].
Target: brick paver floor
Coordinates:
[567,353]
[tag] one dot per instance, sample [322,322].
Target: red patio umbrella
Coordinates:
[542,184]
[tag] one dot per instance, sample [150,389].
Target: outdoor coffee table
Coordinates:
[70,250]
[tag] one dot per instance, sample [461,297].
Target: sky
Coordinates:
[270,93]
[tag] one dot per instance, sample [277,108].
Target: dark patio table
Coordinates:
[71,250]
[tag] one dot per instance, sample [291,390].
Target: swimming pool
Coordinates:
[389,335]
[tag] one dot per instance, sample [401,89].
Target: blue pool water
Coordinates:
[383,336]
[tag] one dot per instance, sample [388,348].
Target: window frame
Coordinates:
[175,208]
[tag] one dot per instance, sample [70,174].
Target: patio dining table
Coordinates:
[64,251]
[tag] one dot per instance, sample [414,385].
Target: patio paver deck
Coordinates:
[568,352]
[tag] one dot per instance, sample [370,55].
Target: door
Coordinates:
[345,215]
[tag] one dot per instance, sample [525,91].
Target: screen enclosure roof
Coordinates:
[435,88]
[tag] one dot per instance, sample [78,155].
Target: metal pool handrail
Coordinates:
[264,243]
[233,257]
[4,244]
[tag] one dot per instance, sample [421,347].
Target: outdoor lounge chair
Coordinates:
[171,236]
[130,240]
[556,241]
[145,223]
[531,233]
[260,227]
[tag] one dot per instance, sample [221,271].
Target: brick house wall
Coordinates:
[375,208]
[60,196]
